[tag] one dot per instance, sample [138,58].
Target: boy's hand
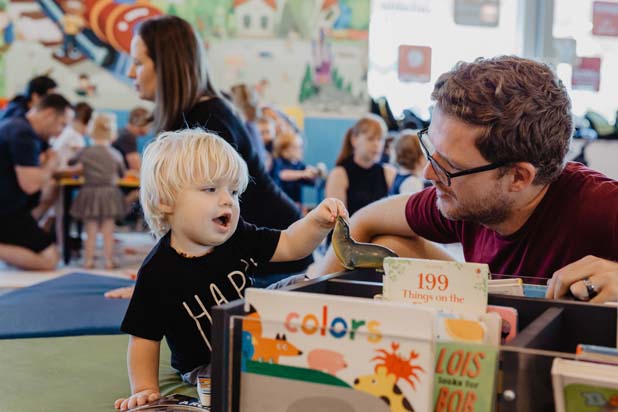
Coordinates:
[325,214]
[311,172]
[137,399]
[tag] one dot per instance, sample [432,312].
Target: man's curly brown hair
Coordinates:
[523,106]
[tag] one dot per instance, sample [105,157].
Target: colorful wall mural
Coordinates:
[311,53]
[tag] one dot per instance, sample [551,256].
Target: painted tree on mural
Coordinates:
[307,87]
[171,10]
[337,79]
[304,54]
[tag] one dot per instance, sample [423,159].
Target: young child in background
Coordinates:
[266,128]
[411,161]
[288,170]
[67,145]
[191,182]
[72,139]
[99,202]
[358,178]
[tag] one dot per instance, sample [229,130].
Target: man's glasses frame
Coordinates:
[444,175]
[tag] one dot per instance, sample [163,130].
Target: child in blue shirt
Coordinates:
[288,169]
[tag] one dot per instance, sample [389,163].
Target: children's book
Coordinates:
[173,403]
[465,377]
[512,287]
[535,291]
[517,287]
[453,287]
[484,329]
[594,353]
[493,322]
[509,325]
[304,351]
[452,327]
[584,386]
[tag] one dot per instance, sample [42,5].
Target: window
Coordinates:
[431,24]
[573,19]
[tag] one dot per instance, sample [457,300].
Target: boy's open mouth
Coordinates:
[224,219]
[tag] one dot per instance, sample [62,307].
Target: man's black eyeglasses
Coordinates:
[444,175]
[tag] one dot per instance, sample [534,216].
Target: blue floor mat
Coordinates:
[66,306]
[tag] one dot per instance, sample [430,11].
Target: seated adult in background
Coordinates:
[358,177]
[496,147]
[138,125]
[283,122]
[126,143]
[35,90]
[410,161]
[24,170]
[246,101]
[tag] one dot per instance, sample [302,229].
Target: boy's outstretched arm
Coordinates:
[304,235]
[143,365]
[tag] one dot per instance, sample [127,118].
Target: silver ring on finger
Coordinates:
[592,290]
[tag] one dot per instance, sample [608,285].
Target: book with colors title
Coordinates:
[359,354]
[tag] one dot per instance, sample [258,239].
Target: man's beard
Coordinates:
[493,209]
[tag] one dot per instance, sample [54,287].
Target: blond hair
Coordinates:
[180,159]
[103,126]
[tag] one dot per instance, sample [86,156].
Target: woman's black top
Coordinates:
[364,185]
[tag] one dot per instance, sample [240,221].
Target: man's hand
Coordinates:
[602,276]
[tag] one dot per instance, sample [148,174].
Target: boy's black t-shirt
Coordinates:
[174,294]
